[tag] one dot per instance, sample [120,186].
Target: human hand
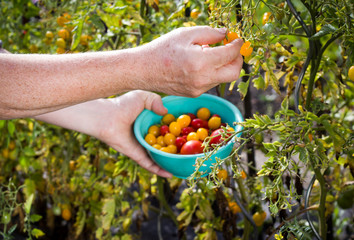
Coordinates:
[117,126]
[111,120]
[182,63]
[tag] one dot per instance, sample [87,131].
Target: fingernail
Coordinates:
[222,30]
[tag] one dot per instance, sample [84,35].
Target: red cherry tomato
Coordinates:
[216,136]
[192,116]
[179,142]
[164,129]
[187,130]
[192,147]
[199,123]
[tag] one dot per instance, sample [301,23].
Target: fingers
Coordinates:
[153,102]
[223,55]
[203,35]
[230,72]
[141,157]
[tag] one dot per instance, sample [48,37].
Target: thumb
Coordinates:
[203,35]
[153,102]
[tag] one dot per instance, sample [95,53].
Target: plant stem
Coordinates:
[163,201]
[322,206]
[247,228]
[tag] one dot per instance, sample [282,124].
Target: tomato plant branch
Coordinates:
[302,211]
[163,201]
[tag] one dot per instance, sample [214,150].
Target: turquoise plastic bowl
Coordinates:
[182,166]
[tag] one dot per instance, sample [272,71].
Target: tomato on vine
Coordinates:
[246,49]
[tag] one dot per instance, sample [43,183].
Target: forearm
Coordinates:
[36,84]
[84,117]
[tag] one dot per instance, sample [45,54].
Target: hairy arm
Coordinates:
[178,63]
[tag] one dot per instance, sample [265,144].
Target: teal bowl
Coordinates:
[182,166]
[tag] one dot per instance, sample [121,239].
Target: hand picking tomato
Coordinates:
[192,147]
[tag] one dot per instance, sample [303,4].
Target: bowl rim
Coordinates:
[172,98]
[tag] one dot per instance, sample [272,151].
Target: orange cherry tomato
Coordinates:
[230,37]
[203,113]
[234,207]
[246,49]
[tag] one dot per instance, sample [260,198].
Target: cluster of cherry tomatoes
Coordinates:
[186,133]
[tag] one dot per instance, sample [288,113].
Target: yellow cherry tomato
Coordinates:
[160,141]
[351,73]
[192,136]
[169,139]
[195,13]
[49,34]
[155,130]
[150,139]
[267,17]
[157,146]
[203,113]
[184,120]
[259,218]
[61,43]
[222,174]
[202,133]
[168,118]
[60,50]
[172,148]
[175,128]
[214,123]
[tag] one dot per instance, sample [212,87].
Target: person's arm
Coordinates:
[111,120]
[176,63]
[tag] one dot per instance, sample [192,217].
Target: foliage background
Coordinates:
[60,184]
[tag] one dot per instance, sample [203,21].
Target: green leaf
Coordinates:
[11,128]
[97,21]
[259,82]
[35,218]
[326,29]
[77,33]
[28,204]
[37,233]
[29,152]
[273,209]
[80,221]
[108,210]
[2,123]
[12,229]
[29,189]
[243,88]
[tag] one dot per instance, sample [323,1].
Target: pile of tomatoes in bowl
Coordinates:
[188,133]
